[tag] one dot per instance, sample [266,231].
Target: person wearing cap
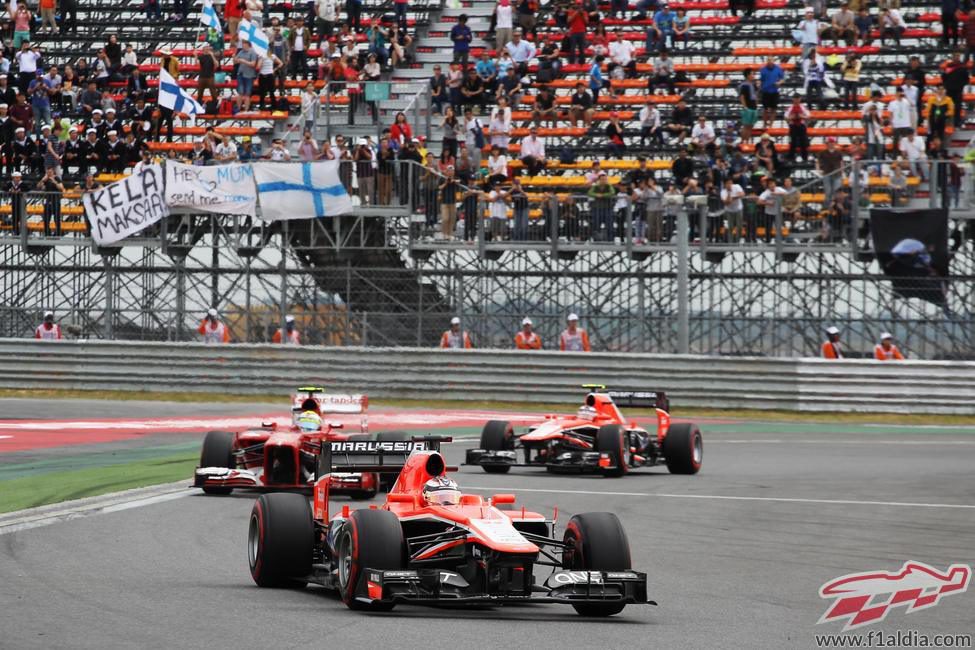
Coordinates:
[573,337]
[526,338]
[24,151]
[8,94]
[212,330]
[93,151]
[461,36]
[831,346]
[53,190]
[48,330]
[17,188]
[807,32]
[455,338]
[40,100]
[886,350]
[290,335]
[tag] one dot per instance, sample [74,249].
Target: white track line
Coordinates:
[719,497]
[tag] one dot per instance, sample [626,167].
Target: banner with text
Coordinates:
[224,189]
[127,206]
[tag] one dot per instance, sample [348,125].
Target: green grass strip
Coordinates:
[44,489]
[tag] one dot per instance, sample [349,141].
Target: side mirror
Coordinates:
[502,498]
[335,425]
[399,498]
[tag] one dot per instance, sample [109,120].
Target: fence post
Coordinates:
[683,281]
[282,317]
[109,297]
[480,228]
[854,204]
[628,225]
[779,242]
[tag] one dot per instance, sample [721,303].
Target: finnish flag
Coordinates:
[248,31]
[300,191]
[209,16]
[174,97]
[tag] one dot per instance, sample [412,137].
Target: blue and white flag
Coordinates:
[209,16]
[300,191]
[174,97]
[248,31]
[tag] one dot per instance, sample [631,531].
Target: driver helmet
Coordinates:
[586,412]
[310,421]
[441,491]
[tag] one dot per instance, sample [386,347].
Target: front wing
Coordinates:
[243,478]
[438,586]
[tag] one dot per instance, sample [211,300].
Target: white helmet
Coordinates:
[441,491]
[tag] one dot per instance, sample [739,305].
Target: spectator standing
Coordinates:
[326,15]
[526,338]
[206,79]
[28,59]
[748,98]
[831,346]
[533,152]
[248,64]
[498,212]
[23,19]
[797,117]
[602,195]
[504,23]
[916,73]
[954,78]
[448,190]
[814,72]
[48,330]
[573,337]
[578,20]
[289,335]
[526,16]
[69,16]
[299,41]
[461,36]
[48,7]
[829,164]
[455,338]
[850,75]
[886,350]
[732,195]
[873,133]
[212,330]
[771,77]
[438,90]
[500,125]
[769,202]
[53,189]
[940,111]
[807,32]
[949,22]
[474,138]
[519,208]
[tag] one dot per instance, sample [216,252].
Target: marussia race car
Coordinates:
[597,439]
[436,547]
[278,458]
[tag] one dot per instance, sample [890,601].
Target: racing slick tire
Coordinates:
[388,479]
[596,541]
[683,449]
[497,435]
[370,539]
[218,451]
[280,540]
[611,440]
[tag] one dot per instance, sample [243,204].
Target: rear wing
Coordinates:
[315,399]
[640,399]
[372,455]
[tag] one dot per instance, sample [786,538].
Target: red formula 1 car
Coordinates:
[270,457]
[596,439]
[431,544]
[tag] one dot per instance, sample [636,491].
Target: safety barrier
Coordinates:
[811,385]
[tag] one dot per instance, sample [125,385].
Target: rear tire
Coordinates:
[218,451]
[497,435]
[611,440]
[684,449]
[370,539]
[388,479]
[280,540]
[596,541]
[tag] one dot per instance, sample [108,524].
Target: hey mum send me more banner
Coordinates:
[126,206]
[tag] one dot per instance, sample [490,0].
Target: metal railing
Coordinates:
[690,381]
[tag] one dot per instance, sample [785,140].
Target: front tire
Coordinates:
[611,440]
[218,451]
[370,539]
[280,540]
[596,541]
[684,449]
[497,435]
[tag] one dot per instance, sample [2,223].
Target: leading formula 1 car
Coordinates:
[431,544]
[283,458]
[598,438]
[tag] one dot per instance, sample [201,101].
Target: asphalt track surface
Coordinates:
[735,555]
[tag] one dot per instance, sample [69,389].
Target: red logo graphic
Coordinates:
[865,598]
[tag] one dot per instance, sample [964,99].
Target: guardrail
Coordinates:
[810,385]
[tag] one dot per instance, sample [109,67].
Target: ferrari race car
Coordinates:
[282,458]
[596,439]
[431,544]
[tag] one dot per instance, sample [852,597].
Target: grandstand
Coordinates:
[763,282]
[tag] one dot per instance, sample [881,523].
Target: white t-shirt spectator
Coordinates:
[893,19]
[621,52]
[498,165]
[703,135]
[225,151]
[27,60]
[766,199]
[650,116]
[499,207]
[504,16]
[732,199]
[901,114]
[534,147]
[913,150]
[809,30]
